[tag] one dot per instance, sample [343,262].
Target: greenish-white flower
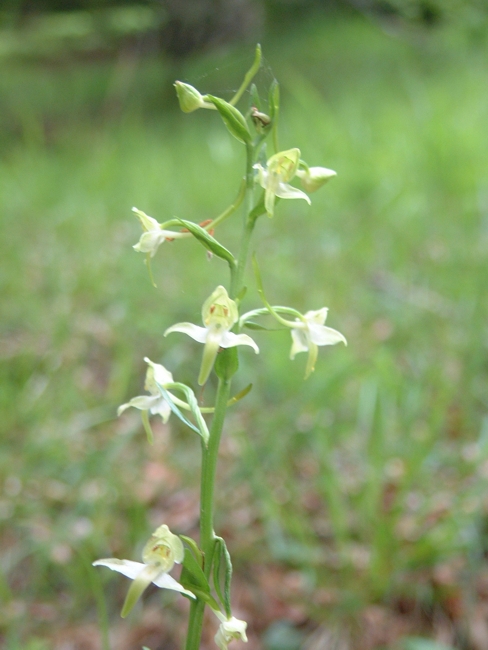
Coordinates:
[153,235]
[312,178]
[309,332]
[229,629]
[274,178]
[160,554]
[155,403]
[219,315]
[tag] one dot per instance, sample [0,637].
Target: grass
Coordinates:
[370,478]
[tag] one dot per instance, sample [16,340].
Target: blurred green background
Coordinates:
[355,503]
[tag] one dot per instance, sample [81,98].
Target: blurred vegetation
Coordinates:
[367,483]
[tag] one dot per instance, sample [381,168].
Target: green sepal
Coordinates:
[233,119]
[222,559]
[226,363]
[147,427]
[208,241]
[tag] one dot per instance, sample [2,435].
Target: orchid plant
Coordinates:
[206,575]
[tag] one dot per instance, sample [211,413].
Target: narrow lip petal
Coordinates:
[230,340]
[196,332]
[323,335]
[285,191]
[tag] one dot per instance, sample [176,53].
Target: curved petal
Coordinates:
[150,242]
[300,342]
[125,567]
[141,402]
[323,335]
[162,408]
[285,191]
[230,340]
[161,375]
[165,581]
[194,331]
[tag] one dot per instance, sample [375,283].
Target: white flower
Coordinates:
[219,314]
[280,169]
[229,629]
[159,556]
[313,178]
[153,235]
[309,332]
[155,402]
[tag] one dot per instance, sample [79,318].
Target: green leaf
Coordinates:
[192,576]
[233,119]
[222,559]
[209,242]
[194,547]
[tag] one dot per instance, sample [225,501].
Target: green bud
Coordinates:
[189,97]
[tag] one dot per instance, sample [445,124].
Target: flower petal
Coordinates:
[230,340]
[141,402]
[285,191]
[194,331]
[323,335]
[300,342]
[150,242]
[125,567]
[165,581]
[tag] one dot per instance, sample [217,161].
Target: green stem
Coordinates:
[237,280]
[207,534]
